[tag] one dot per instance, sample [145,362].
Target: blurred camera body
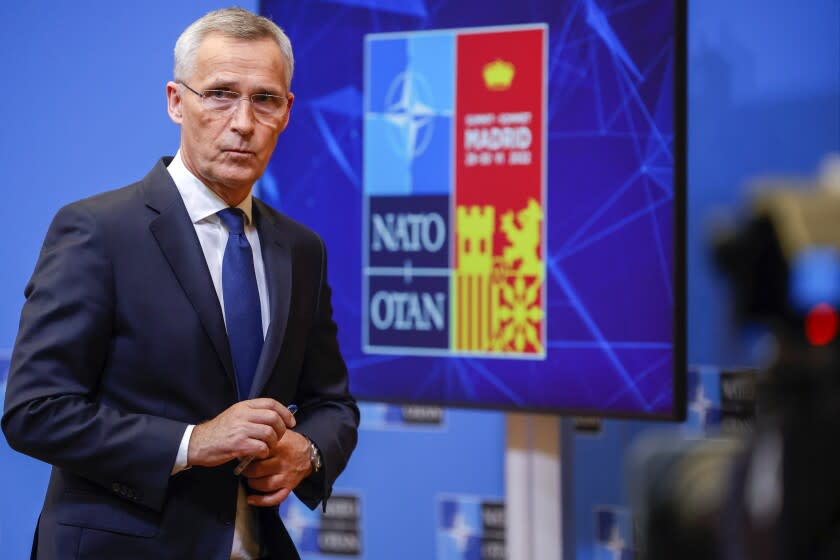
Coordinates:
[775,496]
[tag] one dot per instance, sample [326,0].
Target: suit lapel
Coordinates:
[177,239]
[277,259]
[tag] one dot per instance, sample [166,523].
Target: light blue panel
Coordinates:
[431,57]
[385,160]
[408,127]
[386,164]
[431,61]
[431,169]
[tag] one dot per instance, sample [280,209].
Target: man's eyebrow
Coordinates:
[269,90]
[222,84]
[232,85]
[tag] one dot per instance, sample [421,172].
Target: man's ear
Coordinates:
[173,102]
[285,122]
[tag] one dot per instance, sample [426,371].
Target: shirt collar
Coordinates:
[201,202]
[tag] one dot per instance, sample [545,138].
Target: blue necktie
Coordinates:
[242,301]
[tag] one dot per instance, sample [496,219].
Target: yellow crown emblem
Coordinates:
[498,75]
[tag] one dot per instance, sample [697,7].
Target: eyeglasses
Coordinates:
[268,108]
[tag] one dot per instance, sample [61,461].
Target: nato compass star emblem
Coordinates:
[408,107]
[460,531]
[615,545]
[701,404]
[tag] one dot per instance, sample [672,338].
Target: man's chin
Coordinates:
[235,177]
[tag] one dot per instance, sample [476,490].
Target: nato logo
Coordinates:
[703,402]
[409,103]
[613,534]
[383,416]
[470,528]
[334,532]
[453,182]
[409,108]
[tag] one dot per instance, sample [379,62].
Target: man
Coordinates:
[168,324]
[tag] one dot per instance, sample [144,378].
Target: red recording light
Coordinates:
[821,324]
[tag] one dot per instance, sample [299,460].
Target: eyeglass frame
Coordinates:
[239,97]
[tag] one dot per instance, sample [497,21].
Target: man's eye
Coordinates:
[268,101]
[220,94]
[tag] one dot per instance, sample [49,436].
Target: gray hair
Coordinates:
[237,23]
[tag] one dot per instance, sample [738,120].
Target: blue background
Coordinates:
[610,198]
[764,97]
[86,83]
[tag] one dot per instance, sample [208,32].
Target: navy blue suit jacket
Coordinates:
[122,344]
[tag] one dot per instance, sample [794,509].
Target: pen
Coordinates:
[245,461]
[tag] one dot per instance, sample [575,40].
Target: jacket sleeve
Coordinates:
[53,410]
[328,413]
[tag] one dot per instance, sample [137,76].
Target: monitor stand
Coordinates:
[533,487]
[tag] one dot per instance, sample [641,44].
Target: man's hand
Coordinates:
[281,471]
[250,427]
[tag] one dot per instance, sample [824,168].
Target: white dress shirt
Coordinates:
[202,205]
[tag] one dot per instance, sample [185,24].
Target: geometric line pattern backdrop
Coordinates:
[609,247]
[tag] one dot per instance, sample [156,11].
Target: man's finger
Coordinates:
[262,432]
[262,467]
[269,500]
[255,449]
[288,418]
[264,402]
[269,483]
[270,404]
[268,418]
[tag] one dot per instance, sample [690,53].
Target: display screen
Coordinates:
[500,189]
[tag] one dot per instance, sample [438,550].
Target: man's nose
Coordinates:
[243,119]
